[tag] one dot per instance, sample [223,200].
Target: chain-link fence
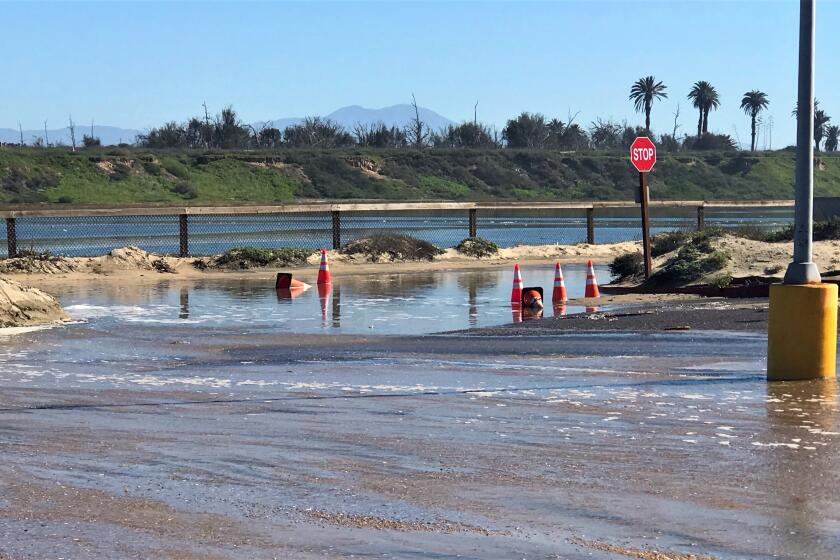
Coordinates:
[210,233]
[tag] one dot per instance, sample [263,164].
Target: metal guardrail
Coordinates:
[330,218]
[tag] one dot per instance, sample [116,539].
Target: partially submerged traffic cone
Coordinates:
[324,270]
[516,292]
[285,281]
[559,293]
[532,297]
[591,282]
[560,310]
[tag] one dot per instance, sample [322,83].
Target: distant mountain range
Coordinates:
[395,115]
[107,134]
[348,117]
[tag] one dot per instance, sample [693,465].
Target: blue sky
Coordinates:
[139,64]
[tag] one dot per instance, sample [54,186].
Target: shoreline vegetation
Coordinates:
[144,177]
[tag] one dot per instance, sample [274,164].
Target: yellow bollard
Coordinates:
[802,332]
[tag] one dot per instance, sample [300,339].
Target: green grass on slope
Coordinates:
[111,176]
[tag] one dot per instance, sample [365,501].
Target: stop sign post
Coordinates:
[643,158]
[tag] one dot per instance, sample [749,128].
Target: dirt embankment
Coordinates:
[22,306]
[717,259]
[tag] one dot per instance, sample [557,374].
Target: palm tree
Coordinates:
[832,138]
[753,103]
[820,122]
[642,94]
[820,127]
[704,97]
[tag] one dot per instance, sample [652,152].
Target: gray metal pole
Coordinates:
[802,270]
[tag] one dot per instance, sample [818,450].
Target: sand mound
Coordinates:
[134,258]
[22,306]
[38,264]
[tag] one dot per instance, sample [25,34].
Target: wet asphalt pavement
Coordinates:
[198,442]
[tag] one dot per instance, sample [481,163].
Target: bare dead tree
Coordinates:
[206,123]
[475,113]
[676,125]
[20,128]
[91,129]
[570,118]
[417,131]
[72,133]
[361,132]
[46,134]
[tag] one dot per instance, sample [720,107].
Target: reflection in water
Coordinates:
[472,302]
[479,279]
[285,295]
[530,313]
[412,303]
[185,303]
[592,309]
[516,310]
[336,306]
[802,422]
[323,295]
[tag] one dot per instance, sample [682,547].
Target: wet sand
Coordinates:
[639,314]
[179,442]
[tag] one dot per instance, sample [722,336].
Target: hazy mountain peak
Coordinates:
[395,115]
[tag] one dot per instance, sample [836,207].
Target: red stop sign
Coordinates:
[643,154]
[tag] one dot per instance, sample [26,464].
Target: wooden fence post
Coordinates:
[184,234]
[701,218]
[590,226]
[336,230]
[473,222]
[11,237]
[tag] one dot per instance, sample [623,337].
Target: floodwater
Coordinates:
[212,420]
[416,303]
[184,441]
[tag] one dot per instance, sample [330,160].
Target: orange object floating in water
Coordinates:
[285,281]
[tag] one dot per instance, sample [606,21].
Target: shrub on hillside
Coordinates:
[627,266]
[666,242]
[395,247]
[477,247]
[692,262]
[824,230]
[254,257]
[185,189]
[152,168]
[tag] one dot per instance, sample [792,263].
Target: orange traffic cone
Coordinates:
[286,282]
[591,282]
[560,310]
[559,294]
[324,271]
[516,292]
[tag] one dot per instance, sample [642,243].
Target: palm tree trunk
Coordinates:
[752,144]
[705,120]
[647,119]
[700,123]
